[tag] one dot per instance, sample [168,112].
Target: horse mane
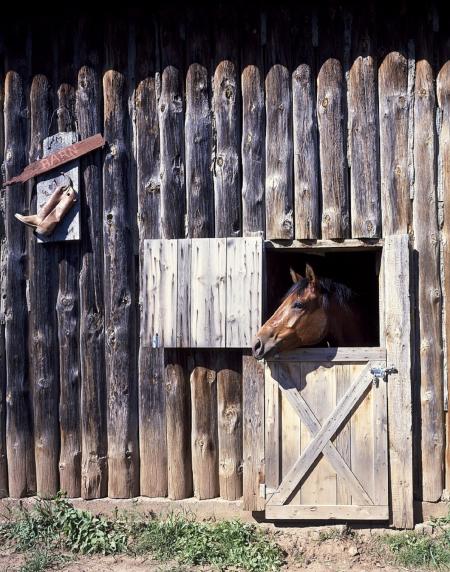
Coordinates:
[330,289]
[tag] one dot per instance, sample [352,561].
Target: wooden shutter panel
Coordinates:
[202,293]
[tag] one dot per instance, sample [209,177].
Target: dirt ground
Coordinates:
[317,550]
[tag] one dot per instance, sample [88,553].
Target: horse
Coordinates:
[315,311]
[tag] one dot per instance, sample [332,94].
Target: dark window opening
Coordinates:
[356,270]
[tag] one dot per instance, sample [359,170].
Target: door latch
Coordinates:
[381,373]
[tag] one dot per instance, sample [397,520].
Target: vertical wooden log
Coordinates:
[333,164]
[227,180]
[92,319]
[396,259]
[426,243]
[279,188]
[198,135]
[153,191]
[3,452]
[253,128]
[44,335]
[13,301]
[363,137]
[229,403]
[119,295]
[179,461]
[226,113]
[171,121]
[393,113]
[443,95]
[306,160]
[253,426]
[67,311]
[204,433]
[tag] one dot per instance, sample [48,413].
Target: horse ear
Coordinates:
[310,275]
[295,276]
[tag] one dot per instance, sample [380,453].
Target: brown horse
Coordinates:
[315,311]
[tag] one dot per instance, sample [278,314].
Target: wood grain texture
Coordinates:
[92,318]
[152,403]
[314,512]
[443,98]
[226,168]
[253,130]
[333,164]
[393,114]
[306,154]
[67,313]
[426,243]
[119,296]
[44,334]
[3,381]
[279,187]
[179,461]
[229,407]
[172,170]
[68,298]
[204,438]
[253,432]
[208,293]
[363,149]
[157,130]
[343,438]
[198,141]
[398,335]
[19,430]
[243,291]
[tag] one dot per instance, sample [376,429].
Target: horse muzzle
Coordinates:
[262,349]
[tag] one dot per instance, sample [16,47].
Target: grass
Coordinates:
[413,549]
[53,531]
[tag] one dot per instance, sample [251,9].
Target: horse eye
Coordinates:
[298,305]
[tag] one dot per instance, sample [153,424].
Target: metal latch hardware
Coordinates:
[381,373]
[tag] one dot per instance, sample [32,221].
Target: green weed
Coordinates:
[221,544]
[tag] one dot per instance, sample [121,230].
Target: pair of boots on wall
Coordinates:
[53,211]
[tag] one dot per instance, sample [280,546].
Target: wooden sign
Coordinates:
[69,227]
[59,157]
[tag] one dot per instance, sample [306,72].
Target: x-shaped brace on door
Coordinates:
[321,442]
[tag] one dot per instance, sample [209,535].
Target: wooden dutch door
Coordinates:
[335,441]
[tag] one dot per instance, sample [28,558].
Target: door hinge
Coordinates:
[382,373]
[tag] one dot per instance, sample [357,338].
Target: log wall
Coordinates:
[290,123]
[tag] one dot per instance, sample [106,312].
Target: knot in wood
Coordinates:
[220,161]
[423,92]
[109,218]
[113,149]
[162,108]
[369,226]
[402,101]
[229,92]
[325,102]
[398,170]
[281,107]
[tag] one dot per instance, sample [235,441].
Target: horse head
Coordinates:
[301,319]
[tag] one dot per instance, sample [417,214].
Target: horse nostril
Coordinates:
[257,348]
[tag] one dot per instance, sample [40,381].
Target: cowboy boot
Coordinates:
[47,226]
[35,220]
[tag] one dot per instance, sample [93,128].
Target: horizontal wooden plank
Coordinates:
[58,158]
[327,512]
[351,244]
[331,355]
